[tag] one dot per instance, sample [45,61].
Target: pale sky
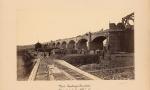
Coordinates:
[57,19]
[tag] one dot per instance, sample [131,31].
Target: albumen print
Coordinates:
[75,42]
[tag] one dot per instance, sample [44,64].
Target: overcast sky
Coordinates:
[57,19]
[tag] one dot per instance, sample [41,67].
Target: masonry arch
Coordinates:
[53,45]
[71,44]
[64,45]
[98,43]
[58,44]
[82,44]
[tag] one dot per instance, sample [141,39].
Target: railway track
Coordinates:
[56,71]
[42,72]
[73,73]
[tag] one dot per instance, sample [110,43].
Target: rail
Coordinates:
[34,71]
[62,62]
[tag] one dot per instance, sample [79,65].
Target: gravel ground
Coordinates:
[118,73]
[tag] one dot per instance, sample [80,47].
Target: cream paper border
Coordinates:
[8,55]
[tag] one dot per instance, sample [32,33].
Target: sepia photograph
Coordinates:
[49,46]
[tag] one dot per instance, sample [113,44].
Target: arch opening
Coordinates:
[58,45]
[71,47]
[98,43]
[53,45]
[64,45]
[71,44]
[82,44]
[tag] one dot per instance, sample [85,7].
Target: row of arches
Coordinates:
[96,43]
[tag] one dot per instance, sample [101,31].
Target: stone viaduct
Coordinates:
[118,38]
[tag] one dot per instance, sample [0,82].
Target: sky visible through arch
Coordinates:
[57,19]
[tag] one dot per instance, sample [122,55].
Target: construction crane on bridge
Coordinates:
[126,21]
